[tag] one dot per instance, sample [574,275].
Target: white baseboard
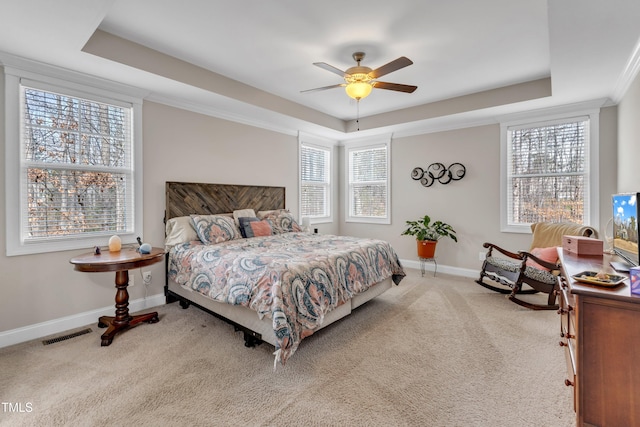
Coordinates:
[430,266]
[39,330]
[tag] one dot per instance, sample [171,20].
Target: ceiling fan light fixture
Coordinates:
[358,89]
[360,80]
[358,85]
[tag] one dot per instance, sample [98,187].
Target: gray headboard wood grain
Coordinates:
[186,198]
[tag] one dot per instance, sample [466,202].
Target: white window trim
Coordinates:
[593,170]
[360,144]
[314,141]
[72,84]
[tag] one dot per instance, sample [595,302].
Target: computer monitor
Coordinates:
[625,230]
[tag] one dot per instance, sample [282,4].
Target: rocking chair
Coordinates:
[538,268]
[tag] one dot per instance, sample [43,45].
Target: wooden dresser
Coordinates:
[600,332]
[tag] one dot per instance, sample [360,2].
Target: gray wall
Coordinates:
[178,146]
[186,146]
[470,205]
[629,139]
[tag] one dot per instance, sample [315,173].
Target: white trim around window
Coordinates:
[70,84]
[591,172]
[322,178]
[372,179]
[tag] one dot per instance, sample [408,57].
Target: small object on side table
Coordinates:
[120,262]
[115,244]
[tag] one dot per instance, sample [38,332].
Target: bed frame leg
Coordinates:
[251,341]
[169,297]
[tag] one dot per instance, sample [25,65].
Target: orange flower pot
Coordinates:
[426,248]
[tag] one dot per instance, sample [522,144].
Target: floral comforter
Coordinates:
[292,278]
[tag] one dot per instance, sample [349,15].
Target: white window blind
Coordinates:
[548,172]
[368,192]
[315,183]
[77,167]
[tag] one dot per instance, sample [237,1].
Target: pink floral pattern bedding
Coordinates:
[292,278]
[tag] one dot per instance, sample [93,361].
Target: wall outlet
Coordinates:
[482,256]
[146,277]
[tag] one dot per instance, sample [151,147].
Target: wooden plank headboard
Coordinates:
[186,198]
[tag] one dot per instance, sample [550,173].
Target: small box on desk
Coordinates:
[579,245]
[634,279]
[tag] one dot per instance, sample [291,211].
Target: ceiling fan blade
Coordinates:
[392,66]
[324,88]
[395,86]
[331,68]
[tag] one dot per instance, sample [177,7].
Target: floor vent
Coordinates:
[66,337]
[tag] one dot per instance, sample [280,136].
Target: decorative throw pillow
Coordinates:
[549,254]
[179,230]
[213,229]
[282,221]
[254,227]
[243,213]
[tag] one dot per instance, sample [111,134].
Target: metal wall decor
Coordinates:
[437,171]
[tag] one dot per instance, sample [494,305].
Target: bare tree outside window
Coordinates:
[77,165]
[547,171]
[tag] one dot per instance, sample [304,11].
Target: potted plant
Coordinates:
[428,233]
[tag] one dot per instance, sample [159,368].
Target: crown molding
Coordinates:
[628,75]
[34,70]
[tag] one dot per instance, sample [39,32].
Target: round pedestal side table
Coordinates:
[121,262]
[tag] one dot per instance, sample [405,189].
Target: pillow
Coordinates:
[179,230]
[243,213]
[282,221]
[244,222]
[213,229]
[254,227]
[262,214]
[549,254]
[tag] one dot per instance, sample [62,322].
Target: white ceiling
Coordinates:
[459,47]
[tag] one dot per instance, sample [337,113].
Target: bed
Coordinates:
[237,253]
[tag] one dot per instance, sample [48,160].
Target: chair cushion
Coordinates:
[540,275]
[530,272]
[504,263]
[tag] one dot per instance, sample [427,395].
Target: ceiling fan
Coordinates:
[359,80]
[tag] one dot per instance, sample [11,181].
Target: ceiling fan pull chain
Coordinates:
[358,113]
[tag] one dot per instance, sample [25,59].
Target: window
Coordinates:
[315,182]
[73,155]
[368,182]
[548,175]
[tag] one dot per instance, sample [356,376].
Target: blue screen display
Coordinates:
[625,227]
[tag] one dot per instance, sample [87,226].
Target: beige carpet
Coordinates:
[431,352]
